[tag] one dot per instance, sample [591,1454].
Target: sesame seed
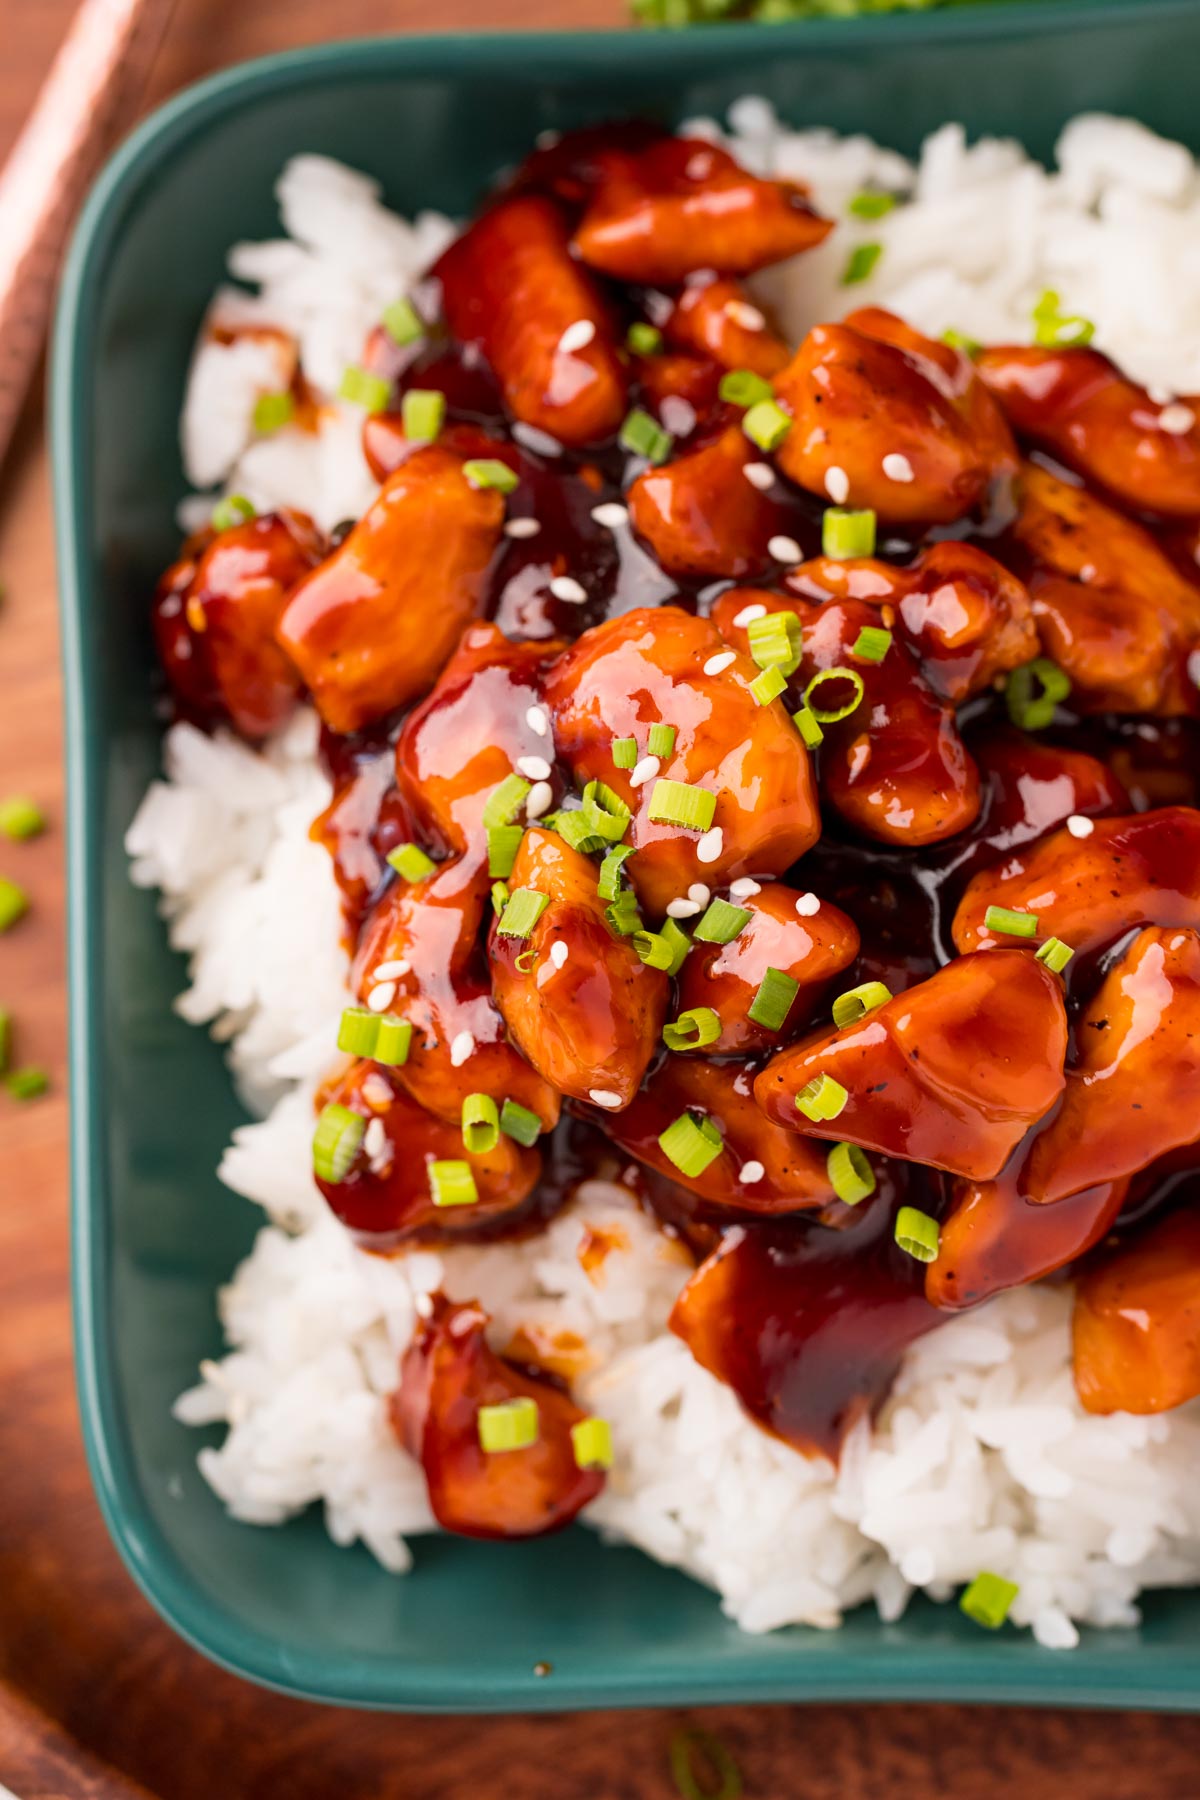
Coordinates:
[897,467]
[462,1047]
[682,909]
[535,767]
[391,971]
[559,953]
[546,140]
[744,888]
[537,721]
[577,336]
[760,475]
[751,1172]
[717,664]
[377,1092]
[699,167]
[1177,419]
[745,315]
[699,893]
[381,997]
[1079,826]
[538,799]
[423,1305]
[837,485]
[748,614]
[710,845]
[375,1139]
[534,439]
[611,514]
[522,528]
[1087,572]
[807,905]
[604,1097]
[1160,396]
[1193,661]
[565,587]
[785,549]
[678,415]
[645,771]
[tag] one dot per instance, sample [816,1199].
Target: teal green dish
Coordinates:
[154,1232]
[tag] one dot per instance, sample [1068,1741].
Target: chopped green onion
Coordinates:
[490,472]
[958,340]
[410,862]
[693,1030]
[394,1041]
[643,339]
[846,533]
[233,510]
[503,842]
[624,753]
[662,740]
[775,641]
[525,960]
[872,644]
[499,896]
[14,903]
[480,1124]
[578,829]
[1010,923]
[336,1142]
[1054,329]
[622,914]
[679,803]
[358,1031]
[518,1123]
[402,322]
[361,388]
[505,802]
[917,1234]
[1055,954]
[687,1742]
[21,818]
[272,412]
[643,436]
[805,722]
[742,387]
[773,1001]
[766,424]
[608,883]
[850,1173]
[423,411]
[987,1599]
[1033,691]
[665,949]
[829,715]
[525,907]
[27,1084]
[821,1098]
[591,1443]
[691,1143]
[859,1000]
[768,685]
[509,1425]
[871,204]
[721,922]
[605,812]
[451,1183]
[860,262]
[5,1039]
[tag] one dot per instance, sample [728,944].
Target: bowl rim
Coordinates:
[1001,1669]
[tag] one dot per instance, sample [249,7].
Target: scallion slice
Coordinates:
[604,811]
[1054,329]
[860,262]
[1009,923]
[490,472]
[525,960]
[508,1425]
[499,896]
[766,424]
[679,803]
[768,685]
[665,949]
[21,818]
[662,741]
[503,842]
[917,1234]
[524,908]
[805,722]
[402,322]
[859,1000]
[872,644]
[742,387]
[451,1183]
[591,1444]
[871,204]
[691,1144]
[608,883]
[336,1142]
[480,1124]
[505,802]
[622,914]
[644,339]
[958,340]
[821,1099]
[775,641]
[850,1174]
[272,412]
[578,830]
[410,862]
[773,1001]
[14,903]
[846,533]
[26,1084]
[643,436]
[422,412]
[1055,954]
[358,1031]
[361,388]
[721,922]
[518,1123]
[829,715]
[624,753]
[1032,692]
[693,1030]
[987,1599]
[393,1042]
[233,510]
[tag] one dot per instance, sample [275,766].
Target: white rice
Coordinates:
[982,1457]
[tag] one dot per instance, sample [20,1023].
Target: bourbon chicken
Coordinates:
[766,771]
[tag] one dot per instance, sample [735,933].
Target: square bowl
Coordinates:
[154,1232]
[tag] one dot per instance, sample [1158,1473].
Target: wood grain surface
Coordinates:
[97,1698]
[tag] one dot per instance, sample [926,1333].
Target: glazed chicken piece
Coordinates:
[1135,1331]
[895,767]
[1075,403]
[808,1329]
[760,1168]
[905,419]
[682,204]
[370,629]
[993,1238]
[652,665]
[719,319]
[365,819]
[588,1013]
[1140,870]
[447,1374]
[701,517]
[386,1197]
[1134,1093]
[511,287]
[671,375]
[951,1073]
[215,616]
[1030,786]
[811,948]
